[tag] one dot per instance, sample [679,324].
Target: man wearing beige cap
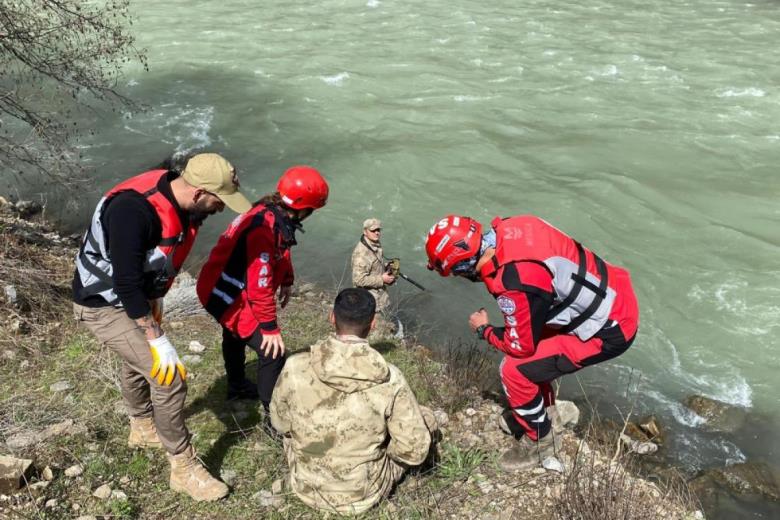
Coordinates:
[368,265]
[138,238]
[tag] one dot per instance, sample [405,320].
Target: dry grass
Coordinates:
[603,482]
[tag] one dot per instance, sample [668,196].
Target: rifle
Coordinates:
[393,267]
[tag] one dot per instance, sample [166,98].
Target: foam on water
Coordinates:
[751,317]
[720,380]
[743,92]
[336,79]
[681,414]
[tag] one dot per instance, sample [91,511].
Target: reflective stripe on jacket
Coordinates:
[583,296]
[238,283]
[162,263]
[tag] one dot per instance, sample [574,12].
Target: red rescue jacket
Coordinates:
[162,263]
[575,291]
[238,283]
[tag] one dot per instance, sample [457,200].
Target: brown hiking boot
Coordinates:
[527,454]
[143,433]
[189,476]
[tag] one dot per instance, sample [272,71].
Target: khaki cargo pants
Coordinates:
[142,395]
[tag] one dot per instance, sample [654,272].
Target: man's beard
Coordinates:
[200,212]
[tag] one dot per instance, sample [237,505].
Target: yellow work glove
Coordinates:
[157,309]
[165,361]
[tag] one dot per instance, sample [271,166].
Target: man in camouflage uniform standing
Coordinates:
[368,265]
[337,405]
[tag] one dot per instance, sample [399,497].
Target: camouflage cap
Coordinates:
[372,223]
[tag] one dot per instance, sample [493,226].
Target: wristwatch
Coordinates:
[481,331]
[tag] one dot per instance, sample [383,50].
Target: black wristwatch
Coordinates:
[481,331]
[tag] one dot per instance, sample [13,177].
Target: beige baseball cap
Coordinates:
[213,173]
[372,223]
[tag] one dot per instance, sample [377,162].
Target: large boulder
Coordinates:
[747,479]
[718,416]
[182,300]
[14,473]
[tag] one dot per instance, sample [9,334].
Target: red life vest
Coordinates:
[222,282]
[583,295]
[162,263]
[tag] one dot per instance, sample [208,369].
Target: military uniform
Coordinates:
[367,269]
[337,406]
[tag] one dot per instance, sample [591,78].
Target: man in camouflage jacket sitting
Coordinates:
[336,407]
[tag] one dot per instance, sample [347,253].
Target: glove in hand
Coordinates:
[165,361]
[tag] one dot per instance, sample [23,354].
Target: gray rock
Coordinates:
[182,301]
[47,474]
[196,346]
[60,386]
[22,440]
[38,488]
[103,492]
[10,294]
[718,416]
[568,413]
[87,517]
[66,427]
[117,494]
[228,476]
[277,487]
[470,412]
[51,503]
[14,473]
[191,359]
[749,478]
[74,471]
[639,447]
[552,464]
[442,419]
[267,499]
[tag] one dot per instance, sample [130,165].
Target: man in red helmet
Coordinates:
[249,265]
[564,309]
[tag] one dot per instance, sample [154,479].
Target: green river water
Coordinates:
[650,131]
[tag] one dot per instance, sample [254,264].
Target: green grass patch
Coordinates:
[458,463]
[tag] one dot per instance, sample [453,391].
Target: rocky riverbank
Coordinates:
[63,426]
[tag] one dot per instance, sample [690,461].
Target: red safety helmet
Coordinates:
[302,187]
[451,240]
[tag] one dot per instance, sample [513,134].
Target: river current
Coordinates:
[647,130]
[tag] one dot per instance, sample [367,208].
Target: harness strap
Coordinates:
[582,270]
[600,293]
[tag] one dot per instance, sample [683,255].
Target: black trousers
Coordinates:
[234,354]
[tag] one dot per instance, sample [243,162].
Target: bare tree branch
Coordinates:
[58,57]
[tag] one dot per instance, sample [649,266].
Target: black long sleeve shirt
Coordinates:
[132,228]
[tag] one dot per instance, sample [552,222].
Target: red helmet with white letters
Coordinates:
[303,187]
[451,240]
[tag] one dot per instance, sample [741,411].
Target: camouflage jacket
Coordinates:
[367,268]
[337,407]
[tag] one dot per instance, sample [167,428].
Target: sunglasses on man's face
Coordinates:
[377,230]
